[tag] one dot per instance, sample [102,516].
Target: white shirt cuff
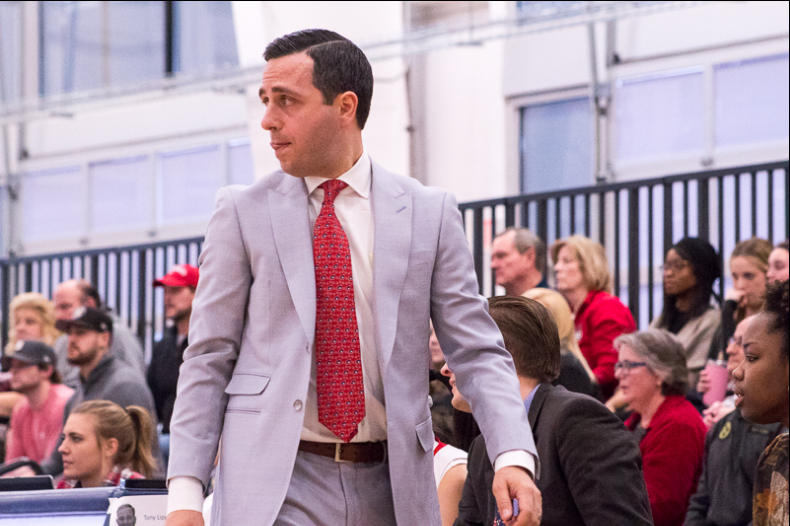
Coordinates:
[184,493]
[516,458]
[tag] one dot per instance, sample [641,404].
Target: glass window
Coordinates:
[204,38]
[122,195]
[189,180]
[88,45]
[240,167]
[751,100]
[53,204]
[10,45]
[556,145]
[660,116]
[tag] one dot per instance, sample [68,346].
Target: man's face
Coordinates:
[67,298]
[178,302]
[761,381]
[26,378]
[303,130]
[509,265]
[126,517]
[85,345]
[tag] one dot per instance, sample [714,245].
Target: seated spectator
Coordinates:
[102,375]
[518,259]
[748,266]
[168,354]
[718,410]
[590,468]
[779,263]
[583,278]
[449,470]
[439,391]
[73,294]
[690,269]
[653,381]
[575,373]
[104,443]
[37,418]
[761,386]
[32,318]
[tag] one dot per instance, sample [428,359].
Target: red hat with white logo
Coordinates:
[179,276]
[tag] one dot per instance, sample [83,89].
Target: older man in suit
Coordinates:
[309,333]
[591,469]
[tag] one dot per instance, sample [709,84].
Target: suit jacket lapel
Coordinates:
[392,216]
[537,404]
[291,226]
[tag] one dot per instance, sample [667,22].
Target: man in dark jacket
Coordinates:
[590,467]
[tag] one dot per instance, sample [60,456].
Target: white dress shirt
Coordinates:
[353,210]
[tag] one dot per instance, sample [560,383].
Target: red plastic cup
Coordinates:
[718,376]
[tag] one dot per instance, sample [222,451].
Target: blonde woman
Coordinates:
[583,278]
[575,373]
[32,318]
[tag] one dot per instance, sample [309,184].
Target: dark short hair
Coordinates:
[777,304]
[338,65]
[54,376]
[530,334]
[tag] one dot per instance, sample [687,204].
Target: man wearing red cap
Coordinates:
[179,286]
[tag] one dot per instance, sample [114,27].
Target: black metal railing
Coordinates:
[637,222]
[123,277]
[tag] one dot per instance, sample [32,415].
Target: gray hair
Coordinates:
[663,354]
[523,240]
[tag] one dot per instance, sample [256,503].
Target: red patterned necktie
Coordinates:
[341,394]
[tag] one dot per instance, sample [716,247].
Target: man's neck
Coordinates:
[87,369]
[39,396]
[530,281]
[346,161]
[182,326]
[526,386]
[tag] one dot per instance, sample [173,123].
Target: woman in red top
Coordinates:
[653,381]
[104,443]
[583,278]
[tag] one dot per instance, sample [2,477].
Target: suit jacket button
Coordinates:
[298,405]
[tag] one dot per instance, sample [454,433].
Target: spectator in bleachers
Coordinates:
[31,318]
[779,263]
[583,278]
[732,448]
[37,418]
[518,258]
[575,373]
[68,297]
[102,375]
[590,468]
[690,268]
[748,266]
[762,385]
[104,443]
[653,381]
[179,290]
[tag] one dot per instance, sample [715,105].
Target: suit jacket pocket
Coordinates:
[425,434]
[245,392]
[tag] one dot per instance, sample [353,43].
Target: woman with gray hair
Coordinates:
[653,380]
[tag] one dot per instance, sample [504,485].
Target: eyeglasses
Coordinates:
[674,266]
[628,365]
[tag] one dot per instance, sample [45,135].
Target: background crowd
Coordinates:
[684,423]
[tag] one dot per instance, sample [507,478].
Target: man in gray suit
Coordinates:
[309,333]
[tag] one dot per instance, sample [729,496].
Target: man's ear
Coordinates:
[90,302]
[347,103]
[530,254]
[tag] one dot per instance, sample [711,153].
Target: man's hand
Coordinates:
[513,482]
[184,518]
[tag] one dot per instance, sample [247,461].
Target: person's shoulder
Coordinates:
[408,184]
[680,414]
[62,392]
[569,403]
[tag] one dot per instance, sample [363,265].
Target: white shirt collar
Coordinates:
[358,177]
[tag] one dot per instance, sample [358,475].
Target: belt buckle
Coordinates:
[337,454]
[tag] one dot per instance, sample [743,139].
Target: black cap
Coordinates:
[31,353]
[87,317]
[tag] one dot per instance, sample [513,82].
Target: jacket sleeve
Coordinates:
[700,502]
[602,466]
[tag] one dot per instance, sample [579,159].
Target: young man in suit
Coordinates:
[308,342]
[590,467]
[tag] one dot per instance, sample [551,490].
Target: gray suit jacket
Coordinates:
[247,368]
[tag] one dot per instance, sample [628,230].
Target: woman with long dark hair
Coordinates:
[691,267]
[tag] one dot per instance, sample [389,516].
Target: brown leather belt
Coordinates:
[365,452]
